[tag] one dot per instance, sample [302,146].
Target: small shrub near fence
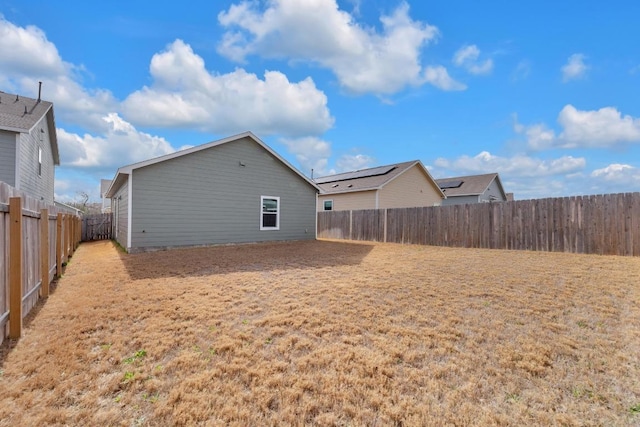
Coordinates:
[603,224]
[35,241]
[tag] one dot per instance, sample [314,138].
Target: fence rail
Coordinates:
[96,227]
[35,241]
[601,224]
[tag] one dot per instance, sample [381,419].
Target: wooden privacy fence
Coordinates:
[35,241]
[602,224]
[96,227]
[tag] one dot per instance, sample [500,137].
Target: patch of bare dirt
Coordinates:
[330,333]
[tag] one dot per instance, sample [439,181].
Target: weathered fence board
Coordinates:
[335,224]
[599,224]
[97,227]
[25,270]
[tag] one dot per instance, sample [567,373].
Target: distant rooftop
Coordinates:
[362,179]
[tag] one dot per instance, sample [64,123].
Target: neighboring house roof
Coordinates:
[67,207]
[104,186]
[20,114]
[471,185]
[123,172]
[368,179]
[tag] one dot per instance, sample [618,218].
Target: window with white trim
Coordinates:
[39,161]
[270,213]
[327,205]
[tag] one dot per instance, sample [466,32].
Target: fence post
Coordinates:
[72,235]
[59,246]
[78,231]
[15,267]
[44,252]
[384,239]
[66,237]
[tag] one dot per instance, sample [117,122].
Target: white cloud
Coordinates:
[605,127]
[26,51]
[539,136]
[525,176]
[311,153]
[364,59]
[439,77]
[515,166]
[575,68]
[121,144]
[467,57]
[185,94]
[619,173]
[522,70]
[21,69]
[351,162]
[597,128]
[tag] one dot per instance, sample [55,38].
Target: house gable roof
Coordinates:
[123,172]
[470,185]
[20,114]
[370,179]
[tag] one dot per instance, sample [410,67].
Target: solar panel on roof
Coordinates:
[451,184]
[365,173]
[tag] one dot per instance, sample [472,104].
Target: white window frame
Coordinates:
[324,208]
[39,161]
[277,199]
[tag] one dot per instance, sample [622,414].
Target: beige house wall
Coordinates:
[411,189]
[349,201]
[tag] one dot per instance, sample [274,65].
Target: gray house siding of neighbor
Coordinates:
[120,209]
[28,145]
[235,190]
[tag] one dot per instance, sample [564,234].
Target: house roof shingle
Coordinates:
[20,114]
[471,185]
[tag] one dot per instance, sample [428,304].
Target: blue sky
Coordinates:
[546,93]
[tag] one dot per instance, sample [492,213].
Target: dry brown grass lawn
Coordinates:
[331,333]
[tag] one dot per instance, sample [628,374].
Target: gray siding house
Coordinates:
[234,190]
[28,145]
[106,202]
[473,189]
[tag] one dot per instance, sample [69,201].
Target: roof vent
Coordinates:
[334,185]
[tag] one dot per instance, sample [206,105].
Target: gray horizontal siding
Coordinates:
[492,191]
[460,200]
[8,157]
[119,207]
[207,197]
[38,186]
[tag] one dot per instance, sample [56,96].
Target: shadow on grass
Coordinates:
[204,261]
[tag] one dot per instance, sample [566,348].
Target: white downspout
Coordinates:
[129,209]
